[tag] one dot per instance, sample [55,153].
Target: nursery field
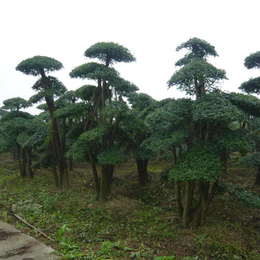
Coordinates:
[135,222]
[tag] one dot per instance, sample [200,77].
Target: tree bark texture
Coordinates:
[189,189]
[257,179]
[142,172]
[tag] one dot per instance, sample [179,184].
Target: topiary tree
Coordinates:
[107,111]
[196,75]
[15,104]
[252,86]
[48,88]
[210,133]
[16,128]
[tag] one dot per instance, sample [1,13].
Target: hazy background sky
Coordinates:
[150,29]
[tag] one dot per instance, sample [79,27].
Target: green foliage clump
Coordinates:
[93,70]
[109,53]
[242,194]
[238,140]
[201,163]
[253,60]
[34,66]
[215,108]
[200,69]
[111,156]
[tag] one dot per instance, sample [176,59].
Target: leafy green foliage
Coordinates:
[86,92]
[7,142]
[206,73]
[68,97]
[196,75]
[39,136]
[215,108]
[53,84]
[15,104]
[242,194]
[34,66]
[93,70]
[86,142]
[2,112]
[95,134]
[114,110]
[169,124]
[248,103]
[140,101]
[251,86]
[13,114]
[201,163]
[142,153]
[238,140]
[73,110]
[109,53]
[197,48]
[122,86]
[54,89]
[111,156]
[252,159]
[253,60]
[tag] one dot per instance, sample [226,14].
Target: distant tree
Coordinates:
[15,104]
[48,88]
[16,128]
[252,86]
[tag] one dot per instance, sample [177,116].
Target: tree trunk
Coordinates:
[142,172]
[71,164]
[95,175]
[104,183]
[224,160]
[174,154]
[110,169]
[178,200]
[58,148]
[19,157]
[187,203]
[28,151]
[257,179]
[53,165]
[207,196]
[24,162]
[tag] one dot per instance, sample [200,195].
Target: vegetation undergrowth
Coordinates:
[136,223]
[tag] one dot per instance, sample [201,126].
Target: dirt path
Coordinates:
[15,245]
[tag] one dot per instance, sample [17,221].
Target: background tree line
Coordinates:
[106,123]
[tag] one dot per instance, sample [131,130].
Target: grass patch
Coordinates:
[137,223]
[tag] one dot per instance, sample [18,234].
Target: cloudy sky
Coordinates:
[150,29]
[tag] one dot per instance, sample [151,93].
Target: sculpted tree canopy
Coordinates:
[48,88]
[93,70]
[107,108]
[251,86]
[15,104]
[109,53]
[35,65]
[253,60]
[247,103]
[86,92]
[196,75]
[197,48]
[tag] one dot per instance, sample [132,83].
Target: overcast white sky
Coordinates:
[151,30]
